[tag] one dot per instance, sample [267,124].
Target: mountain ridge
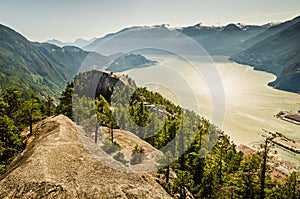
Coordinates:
[77,43]
[217,40]
[41,68]
[278,54]
[272,30]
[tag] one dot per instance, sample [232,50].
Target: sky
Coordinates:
[67,20]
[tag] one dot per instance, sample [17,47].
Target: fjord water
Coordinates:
[250,105]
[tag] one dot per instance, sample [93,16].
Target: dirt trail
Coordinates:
[56,164]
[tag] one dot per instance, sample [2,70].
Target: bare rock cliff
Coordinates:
[56,164]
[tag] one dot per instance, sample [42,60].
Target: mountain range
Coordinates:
[39,67]
[78,42]
[226,40]
[46,68]
[217,40]
[273,47]
[278,54]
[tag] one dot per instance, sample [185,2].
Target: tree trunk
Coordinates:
[220,167]
[167,174]
[96,132]
[263,171]
[112,133]
[30,123]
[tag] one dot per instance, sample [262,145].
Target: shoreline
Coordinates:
[289,116]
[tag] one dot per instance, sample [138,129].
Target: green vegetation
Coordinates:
[111,148]
[17,111]
[278,54]
[119,156]
[205,171]
[126,62]
[218,171]
[137,155]
[39,67]
[65,106]
[41,71]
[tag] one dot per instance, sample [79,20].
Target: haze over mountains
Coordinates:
[273,47]
[217,40]
[46,68]
[42,68]
[62,161]
[78,42]
[273,29]
[278,54]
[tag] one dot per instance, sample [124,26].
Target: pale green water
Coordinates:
[250,105]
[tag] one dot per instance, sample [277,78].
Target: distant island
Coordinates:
[129,61]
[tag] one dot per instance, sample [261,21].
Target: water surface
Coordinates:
[250,105]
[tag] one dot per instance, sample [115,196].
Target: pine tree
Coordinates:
[32,108]
[65,105]
[49,104]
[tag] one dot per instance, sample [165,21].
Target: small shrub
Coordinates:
[121,158]
[111,148]
[137,155]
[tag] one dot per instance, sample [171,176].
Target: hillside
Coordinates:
[223,40]
[278,54]
[41,68]
[57,164]
[94,83]
[270,31]
[126,62]
[45,68]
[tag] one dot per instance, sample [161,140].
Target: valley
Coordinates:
[151,111]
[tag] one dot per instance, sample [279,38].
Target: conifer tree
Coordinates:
[32,108]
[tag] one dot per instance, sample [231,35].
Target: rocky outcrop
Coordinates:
[56,164]
[93,83]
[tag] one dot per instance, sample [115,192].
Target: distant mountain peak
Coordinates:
[232,27]
[162,26]
[78,42]
[276,52]
[296,18]
[274,23]
[55,42]
[206,25]
[241,25]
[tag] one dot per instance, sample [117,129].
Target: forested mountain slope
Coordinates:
[274,29]
[278,54]
[38,67]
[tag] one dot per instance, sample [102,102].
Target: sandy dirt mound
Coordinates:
[56,164]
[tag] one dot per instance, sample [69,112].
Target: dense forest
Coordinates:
[17,112]
[190,164]
[205,171]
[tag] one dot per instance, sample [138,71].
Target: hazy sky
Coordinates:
[66,20]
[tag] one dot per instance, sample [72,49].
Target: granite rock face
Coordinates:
[57,164]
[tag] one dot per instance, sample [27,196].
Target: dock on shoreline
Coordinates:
[289,116]
[287,143]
